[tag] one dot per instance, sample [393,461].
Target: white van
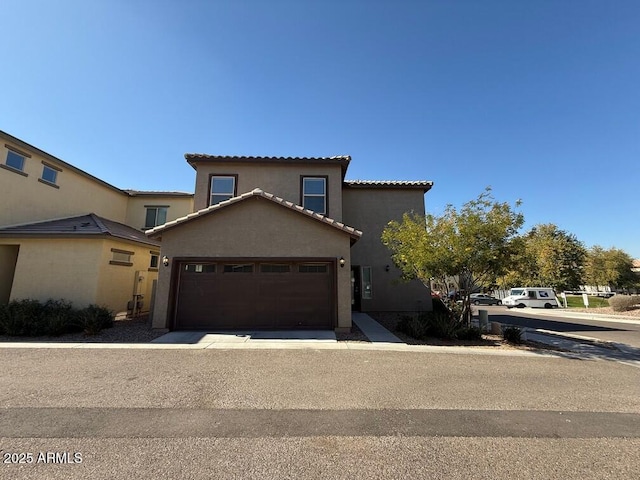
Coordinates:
[521,297]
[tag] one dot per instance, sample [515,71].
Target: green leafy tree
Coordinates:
[464,249]
[610,267]
[549,257]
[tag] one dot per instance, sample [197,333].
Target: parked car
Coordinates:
[484,299]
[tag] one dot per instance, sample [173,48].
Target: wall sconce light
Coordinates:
[342,261]
[387,268]
[165,261]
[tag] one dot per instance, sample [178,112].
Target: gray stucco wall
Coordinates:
[255,228]
[369,210]
[282,180]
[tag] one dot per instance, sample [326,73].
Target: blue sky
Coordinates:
[538,99]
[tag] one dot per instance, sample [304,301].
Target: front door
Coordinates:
[356,283]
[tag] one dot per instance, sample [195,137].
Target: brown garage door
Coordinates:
[255,295]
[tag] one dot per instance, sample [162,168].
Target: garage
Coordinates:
[247,294]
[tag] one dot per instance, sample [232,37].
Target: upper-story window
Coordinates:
[223,187]
[314,194]
[49,174]
[15,160]
[155,216]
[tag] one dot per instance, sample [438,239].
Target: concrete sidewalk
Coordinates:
[379,339]
[373,330]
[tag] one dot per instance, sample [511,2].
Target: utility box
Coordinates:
[483,320]
[140,283]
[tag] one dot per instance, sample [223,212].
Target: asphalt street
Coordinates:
[315,414]
[626,332]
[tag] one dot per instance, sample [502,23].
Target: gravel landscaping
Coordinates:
[133,330]
[138,330]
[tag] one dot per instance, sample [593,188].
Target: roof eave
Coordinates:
[194,158]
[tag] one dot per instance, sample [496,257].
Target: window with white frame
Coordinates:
[223,187]
[156,215]
[15,160]
[49,174]
[314,194]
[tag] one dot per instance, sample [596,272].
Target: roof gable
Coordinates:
[258,193]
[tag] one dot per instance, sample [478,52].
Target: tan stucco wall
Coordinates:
[137,211]
[56,268]
[369,210]
[116,282]
[255,228]
[25,199]
[78,270]
[282,180]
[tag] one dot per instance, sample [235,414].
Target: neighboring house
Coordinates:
[282,243]
[67,234]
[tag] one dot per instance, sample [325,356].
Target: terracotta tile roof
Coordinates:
[240,158]
[355,234]
[193,158]
[423,184]
[81,226]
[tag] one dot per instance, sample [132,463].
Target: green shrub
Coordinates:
[55,317]
[60,317]
[442,325]
[94,318]
[23,318]
[437,324]
[624,303]
[4,317]
[512,334]
[412,326]
[469,333]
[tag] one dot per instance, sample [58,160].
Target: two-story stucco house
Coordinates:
[282,243]
[67,234]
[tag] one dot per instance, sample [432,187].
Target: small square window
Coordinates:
[15,160]
[155,216]
[49,174]
[155,260]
